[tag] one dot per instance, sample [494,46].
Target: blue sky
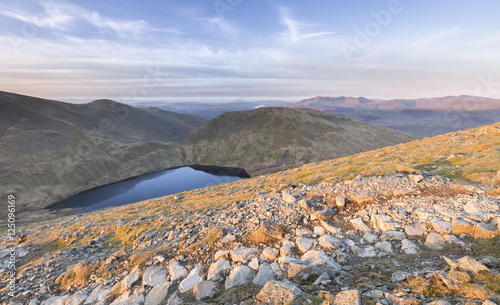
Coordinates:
[225,50]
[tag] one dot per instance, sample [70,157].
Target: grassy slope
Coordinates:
[257,139]
[50,150]
[479,164]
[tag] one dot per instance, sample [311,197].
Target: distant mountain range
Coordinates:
[51,150]
[423,117]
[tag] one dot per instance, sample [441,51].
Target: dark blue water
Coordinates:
[147,186]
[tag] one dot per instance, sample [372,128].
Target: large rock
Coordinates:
[265,274]
[304,244]
[158,294]
[409,247]
[192,279]
[319,262]
[360,225]
[239,276]
[329,228]
[77,299]
[486,230]
[440,226]
[392,236]
[384,222]
[130,280]
[266,233]
[155,275]
[99,294]
[292,267]
[329,242]
[218,268]
[287,247]
[467,263]
[176,270]
[59,300]
[136,298]
[434,241]
[416,229]
[205,290]
[279,293]
[366,252]
[461,226]
[242,254]
[348,297]
[270,254]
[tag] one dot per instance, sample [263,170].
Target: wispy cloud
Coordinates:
[437,37]
[295,28]
[223,25]
[64,17]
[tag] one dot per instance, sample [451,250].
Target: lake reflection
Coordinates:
[148,186]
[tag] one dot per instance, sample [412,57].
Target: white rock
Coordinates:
[287,247]
[270,254]
[176,270]
[328,227]
[154,275]
[135,298]
[384,246]
[392,236]
[303,232]
[264,275]
[384,222]
[360,225]
[242,254]
[408,247]
[434,241]
[443,227]
[205,290]
[59,300]
[158,294]
[329,242]
[254,263]
[100,293]
[370,237]
[304,243]
[221,254]
[319,230]
[287,197]
[77,299]
[218,268]
[192,279]
[239,276]
[416,229]
[130,280]
[368,251]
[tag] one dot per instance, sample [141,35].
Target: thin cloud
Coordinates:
[295,28]
[437,37]
[223,25]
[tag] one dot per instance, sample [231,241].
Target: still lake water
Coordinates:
[148,186]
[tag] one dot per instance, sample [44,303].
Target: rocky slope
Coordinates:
[394,235]
[51,150]
[266,140]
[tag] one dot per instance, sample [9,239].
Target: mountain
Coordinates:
[422,117]
[416,223]
[50,150]
[270,139]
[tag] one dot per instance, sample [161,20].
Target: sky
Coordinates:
[226,50]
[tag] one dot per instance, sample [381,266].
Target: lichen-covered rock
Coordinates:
[278,293]
[348,297]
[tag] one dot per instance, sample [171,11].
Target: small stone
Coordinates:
[328,227]
[399,276]
[392,236]
[340,201]
[287,247]
[329,242]
[323,277]
[368,251]
[384,222]
[326,213]
[254,263]
[287,197]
